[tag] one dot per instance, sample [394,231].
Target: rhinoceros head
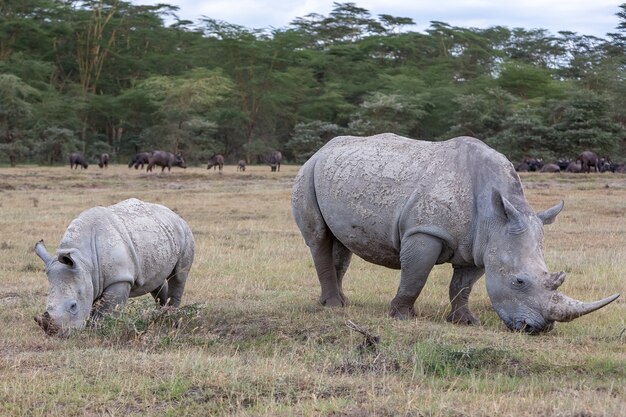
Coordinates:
[71,292]
[522,290]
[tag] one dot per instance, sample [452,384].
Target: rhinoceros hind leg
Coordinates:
[461,285]
[176,282]
[418,255]
[160,294]
[341,257]
[327,266]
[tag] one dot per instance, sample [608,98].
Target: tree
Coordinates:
[181,100]
[583,122]
[482,115]
[525,133]
[309,137]
[527,81]
[16,107]
[55,144]
[394,113]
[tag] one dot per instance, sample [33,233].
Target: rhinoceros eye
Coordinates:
[519,282]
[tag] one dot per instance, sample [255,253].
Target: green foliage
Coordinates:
[183,105]
[55,144]
[16,110]
[526,81]
[526,134]
[394,113]
[121,79]
[449,360]
[584,122]
[309,137]
[482,115]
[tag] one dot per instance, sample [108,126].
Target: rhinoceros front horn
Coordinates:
[565,308]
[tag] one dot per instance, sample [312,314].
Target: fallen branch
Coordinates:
[370,341]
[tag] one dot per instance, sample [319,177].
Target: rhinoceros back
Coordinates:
[133,241]
[372,190]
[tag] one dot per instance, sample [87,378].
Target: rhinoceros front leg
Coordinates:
[461,285]
[113,297]
[418,255]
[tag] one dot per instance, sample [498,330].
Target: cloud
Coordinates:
[595,17]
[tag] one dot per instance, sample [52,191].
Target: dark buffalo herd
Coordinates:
[586,162]
[168,160]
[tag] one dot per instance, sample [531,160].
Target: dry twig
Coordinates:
[370,341]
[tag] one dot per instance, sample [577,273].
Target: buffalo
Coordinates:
[165,160]
[530,164]
[550,168]
[141,158]
[241,165]
[216,161]
[587,160]
[573,166]
[77,159]
[103,160]
[274,160]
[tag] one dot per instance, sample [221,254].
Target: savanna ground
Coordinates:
[252,339]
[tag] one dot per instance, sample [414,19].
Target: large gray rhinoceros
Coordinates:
[408,204]
[108,254]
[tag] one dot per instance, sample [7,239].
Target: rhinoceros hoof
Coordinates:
[333,302]
[463,318]
[402,312]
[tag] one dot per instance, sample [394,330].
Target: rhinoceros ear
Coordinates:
[548,216]
[66,258]
[516,223]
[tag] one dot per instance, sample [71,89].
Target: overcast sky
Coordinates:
[586,17]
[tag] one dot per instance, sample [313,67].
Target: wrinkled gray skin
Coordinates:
[141,158]
[241,165]
[387,199]
[216,161]
[165,160]
[108,254]
[77,159]
[103,160]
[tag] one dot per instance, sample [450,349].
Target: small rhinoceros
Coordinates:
[409,204]
[108,254]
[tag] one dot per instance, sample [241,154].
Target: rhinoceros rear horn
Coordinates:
[42,252]
[555,280]
[548,216]
[567,309]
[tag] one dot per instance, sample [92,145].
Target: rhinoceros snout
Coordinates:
[530,327]
[45,322]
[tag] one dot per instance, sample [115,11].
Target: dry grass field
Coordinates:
[251,339]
